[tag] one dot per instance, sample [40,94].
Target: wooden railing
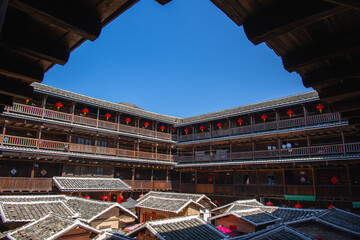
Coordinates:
[262,127]
[149,185]
[22,184]
[71,118]
[73,147]
[278,153]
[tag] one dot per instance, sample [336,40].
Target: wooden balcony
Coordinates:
[71,118]
[151,185]
[224,189]
[333,191]
[8,140]
[204,188]
[246,190]
[22,184]
[278,153]
[299,190]
[271,190]
[263,127]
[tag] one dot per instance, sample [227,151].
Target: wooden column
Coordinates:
[349,182]
[43,104]
[193,154]
[156,150]
[133,178]
[343,141]
[3,7]
[308,143]
[313,180]
[211,130]
[284,180]
[167,179]
[38,137]
[138,149]
[229,127]
[96,141]
[193,133]
[97,117]
[32,175]
[305,114]
[109,198]
[3,132]
[279,147]
[251,122]
[257,182]
[118,121]
[72,112]
[253,148]
[152,178]
[230,151]
[277,116]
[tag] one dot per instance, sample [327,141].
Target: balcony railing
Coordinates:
[149,185]
[71,118]
[23,184]
[346,148]
[262,127]
[73,147]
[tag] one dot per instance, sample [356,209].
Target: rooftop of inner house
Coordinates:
[186,228]
[26,208]
[134,110]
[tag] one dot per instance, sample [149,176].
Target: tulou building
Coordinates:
[287,151]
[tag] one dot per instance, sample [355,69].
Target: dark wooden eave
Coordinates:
[318,39]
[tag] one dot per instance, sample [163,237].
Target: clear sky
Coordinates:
[182,59]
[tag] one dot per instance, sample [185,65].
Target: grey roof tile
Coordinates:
[186,228]
[341,218]
[130,203]
[166,204]
[66,184]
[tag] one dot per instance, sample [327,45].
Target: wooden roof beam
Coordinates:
[346,3]
[15,89]
[330,75]
[6,100]
[52,12]
[321,51]
[345,106]
[285,17]
[17,68]
[345,91]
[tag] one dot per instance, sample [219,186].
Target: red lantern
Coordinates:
[85,111]
[58,105]
[264,117]
[186,130]
[269,204]
[141,196]
[146,124]
[290,113]
[217,203]
[103,197]
[162,128]
[240,121]
[120,199]
[108,115]
[86,197]
[298,206]
[173,130]
[202,128]
[127,120]
[331,206]
[27,101]
[219,125]
[320,107]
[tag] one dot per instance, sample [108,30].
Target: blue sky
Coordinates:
[182,59]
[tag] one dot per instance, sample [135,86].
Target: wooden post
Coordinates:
[277,116]
[284,179]
[230,151]
[3,132]
[72,112]
[138,149]
[97,117]
[133,178]
[3,7]
[152,178]
[253,148]
[308,144]
[96,141]
[38,138]
[229,127]
[43,104]
[279,147]
[257,182]
[193,133]
[314,180]
[305,114]
[109,198]
[349,182]
[32,175]
[193,154]
[156,149]
[211,130]
[343,141]
[251,122]
[167,179]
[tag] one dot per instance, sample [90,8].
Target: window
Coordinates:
[270,180]
[99,171]
[246,179]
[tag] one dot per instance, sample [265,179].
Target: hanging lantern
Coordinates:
[298,205]
[173,130]
[202,128]
[217,203]
[320,107]
[86,196]
[27,101]
[127,120]
[120,199]
[58,105]
[331,206]
[219,125]
[103,197]
[162,128]
[141,196]
[240,121]
[108,115]
[186,130]
[269,204]
[146,124]
[264,117]
[290,113]
[85,111]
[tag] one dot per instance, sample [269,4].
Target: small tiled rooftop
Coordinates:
[186,228]
[69,184]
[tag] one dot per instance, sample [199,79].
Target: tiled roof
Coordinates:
[112,236]
[251,202]
[48,227]
[172,195]
[69,184]
[254,216]
[340,219]
[166,204]
[130,203]
[275,103]
[41,88]
[277,232]
[27,208]
[29,211]
[185,228]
